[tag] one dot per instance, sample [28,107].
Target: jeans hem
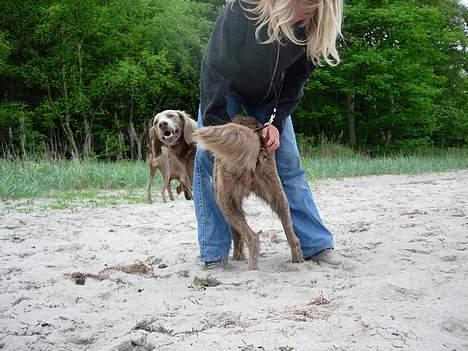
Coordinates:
[317,251]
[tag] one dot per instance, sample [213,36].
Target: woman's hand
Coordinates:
[272,138]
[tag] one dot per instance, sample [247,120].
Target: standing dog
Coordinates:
[174,129]
[242,166]
[170,169]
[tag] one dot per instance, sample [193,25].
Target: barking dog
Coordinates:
[242,166]
[174,130]
[170,169]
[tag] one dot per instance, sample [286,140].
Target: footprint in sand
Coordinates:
[456,327]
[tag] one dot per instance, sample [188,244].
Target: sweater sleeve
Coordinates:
[218,65]
[292,90]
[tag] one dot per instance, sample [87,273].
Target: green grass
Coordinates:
[337,162]
[55,178]
[323,168]
[68,184]
[91,183]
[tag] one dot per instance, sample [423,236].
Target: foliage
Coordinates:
[403,72]
[84,78]
[93,71]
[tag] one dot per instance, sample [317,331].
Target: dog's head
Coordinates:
[174,126]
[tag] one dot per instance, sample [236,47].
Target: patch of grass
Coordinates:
[68,184]
[26,179]
[340,166]
[32,179]
[70,199]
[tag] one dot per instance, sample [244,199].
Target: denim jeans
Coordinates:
[214,233]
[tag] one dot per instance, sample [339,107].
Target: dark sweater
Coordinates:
[236,63]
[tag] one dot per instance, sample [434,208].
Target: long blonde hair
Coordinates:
[322,27]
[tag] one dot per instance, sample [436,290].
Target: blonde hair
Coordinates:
[322,27]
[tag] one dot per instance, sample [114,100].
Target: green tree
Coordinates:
[5,50]
[94,71]
[390,83]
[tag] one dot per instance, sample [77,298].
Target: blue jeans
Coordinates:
[214,233]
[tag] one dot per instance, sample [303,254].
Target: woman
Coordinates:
[259,56]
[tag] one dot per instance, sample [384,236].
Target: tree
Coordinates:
[83,78]
[390,83]
[90,69]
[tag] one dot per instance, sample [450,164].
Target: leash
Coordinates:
[272,85]
[277,93]
[273,114]
[270,121]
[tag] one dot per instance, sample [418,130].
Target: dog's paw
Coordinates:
[298,258]
[238,256]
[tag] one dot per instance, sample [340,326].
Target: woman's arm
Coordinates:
[291,93]
[218,65]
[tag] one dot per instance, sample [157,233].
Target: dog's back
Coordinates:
[243,165]
[234,145]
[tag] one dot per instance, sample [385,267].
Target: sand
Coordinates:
[127,277]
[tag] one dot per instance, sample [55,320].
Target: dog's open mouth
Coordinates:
[170,136]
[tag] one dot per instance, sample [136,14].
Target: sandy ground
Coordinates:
[127,277]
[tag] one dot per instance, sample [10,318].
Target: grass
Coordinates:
[359,165]
[335,161]
[68,184]
[92,183]
[21,179]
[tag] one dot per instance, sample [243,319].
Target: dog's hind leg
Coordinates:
[271,191]
[185,187]
[238,253]
[152,171]
[236,217]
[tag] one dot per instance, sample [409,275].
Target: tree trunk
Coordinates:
[131,131]
[50,149]
[87,147]
[121,148]
[87,144]
[139,141]
[10,146]
[22,137]
[53,149]
[351,120]
[66,123]
[121,145]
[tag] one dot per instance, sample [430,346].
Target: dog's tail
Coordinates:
[236,145]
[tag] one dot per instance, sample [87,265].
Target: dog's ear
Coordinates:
[149,146]
[154,141]
[189,126]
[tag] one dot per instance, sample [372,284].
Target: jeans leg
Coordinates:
[214,233]
[307,224]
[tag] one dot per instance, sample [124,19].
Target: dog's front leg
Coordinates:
[238,253]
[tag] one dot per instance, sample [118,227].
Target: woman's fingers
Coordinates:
[271,136]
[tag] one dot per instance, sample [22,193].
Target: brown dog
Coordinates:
[170,169]
[242,166]
[174,129]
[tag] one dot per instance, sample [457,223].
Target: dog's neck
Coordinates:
[180,149]
[185,153]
